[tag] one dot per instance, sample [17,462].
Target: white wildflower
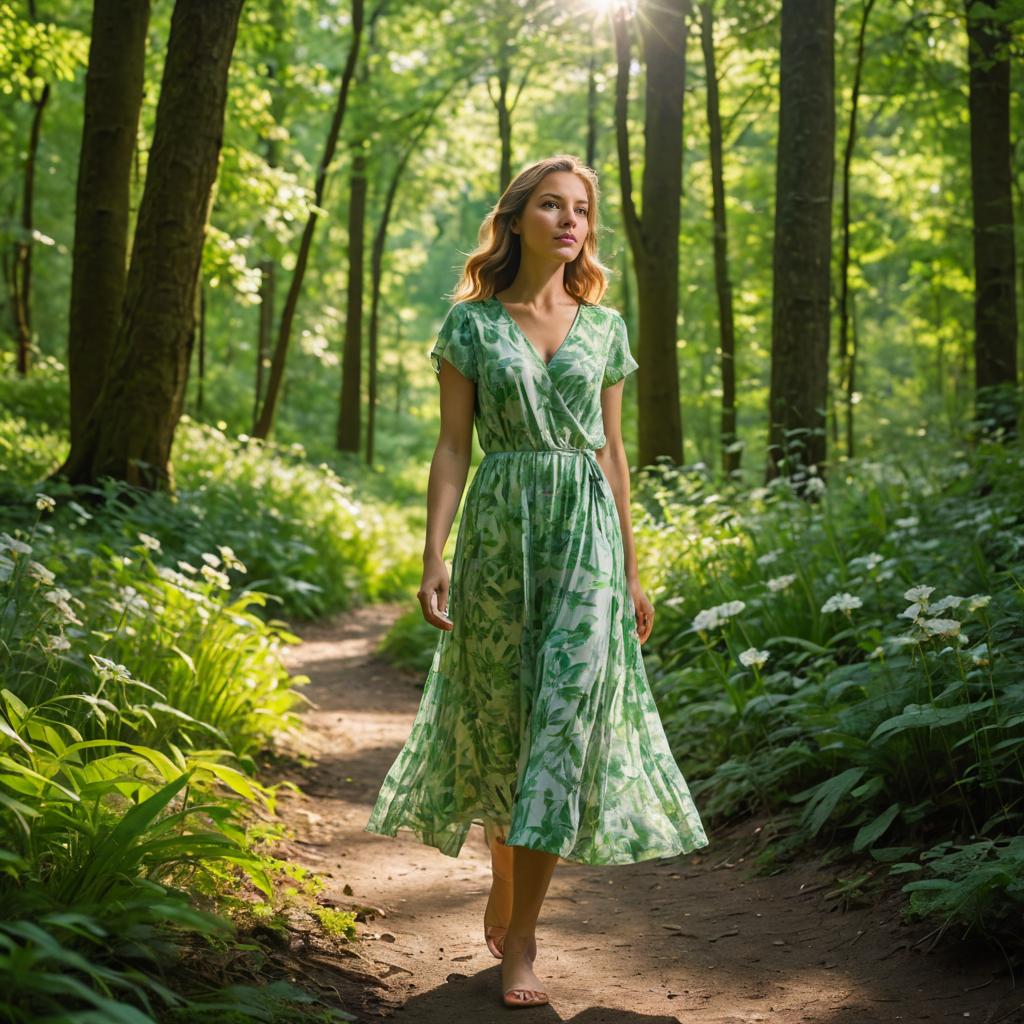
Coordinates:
[908,523]
[919,593]
[752,656]
[231,560]
[150,543]
[13,544]
[59,597]
[712,618]
[868,561]
[41,573]
[210,559]
[215,576]
[842,602]
[940,627]
[57,643]
[976,601]
[187,567]
[768,557]
[45,503]
[950,601]
[781,582]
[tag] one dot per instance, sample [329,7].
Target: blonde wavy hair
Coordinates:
[493,264]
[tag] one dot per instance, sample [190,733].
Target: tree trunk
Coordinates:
[654,236]
[350,411]
[129,432]
[995,300]
[113,96]
[723,286]
[845,359]
[268,269]
[376,271]
[21,271]
[265,420]
[798,397]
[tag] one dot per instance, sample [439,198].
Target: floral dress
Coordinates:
[537,719]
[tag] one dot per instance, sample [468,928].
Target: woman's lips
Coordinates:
[565,241]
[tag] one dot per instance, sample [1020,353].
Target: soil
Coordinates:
[699,938]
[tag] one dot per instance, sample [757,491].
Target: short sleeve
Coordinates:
[620,361]
[455,343]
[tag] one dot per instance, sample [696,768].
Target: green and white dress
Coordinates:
[537,719]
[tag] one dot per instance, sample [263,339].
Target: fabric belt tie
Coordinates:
[594,471]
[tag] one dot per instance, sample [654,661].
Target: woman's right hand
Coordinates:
[433,594]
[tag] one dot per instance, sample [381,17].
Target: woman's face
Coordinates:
[554,223]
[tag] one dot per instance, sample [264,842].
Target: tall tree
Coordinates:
[848,354]
[265,421]
[995,298]
[350,405]
[21,277]
[653,233]
[130,429]
[805,163]
[723,285]
[113,96]
[377,263]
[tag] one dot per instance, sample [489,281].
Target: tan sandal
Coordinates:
[535,996]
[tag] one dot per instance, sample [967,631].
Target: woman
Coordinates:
[536,719]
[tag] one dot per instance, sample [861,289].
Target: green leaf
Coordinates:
[874,829]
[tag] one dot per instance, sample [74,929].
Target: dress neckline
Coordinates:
[522,334]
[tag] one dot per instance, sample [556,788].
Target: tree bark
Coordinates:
[350,410]
[376,271]
[113,97]
[846,370]
[21,270]
[654,235]
[723,286]
[798,396]
[265,421]
[129,432]
[995,299]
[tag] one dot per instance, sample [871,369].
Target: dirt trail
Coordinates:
[693,939]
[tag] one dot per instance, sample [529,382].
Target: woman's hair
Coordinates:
[493,264]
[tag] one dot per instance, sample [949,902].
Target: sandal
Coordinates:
[519,996]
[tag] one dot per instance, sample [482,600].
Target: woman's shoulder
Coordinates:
[607,313]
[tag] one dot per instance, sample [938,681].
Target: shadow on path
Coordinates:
[695,939]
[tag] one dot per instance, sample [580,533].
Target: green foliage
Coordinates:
[410,642]
[307,542]
[124,791]
[851,665]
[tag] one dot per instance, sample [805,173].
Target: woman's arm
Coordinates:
[448,471]
[613,461]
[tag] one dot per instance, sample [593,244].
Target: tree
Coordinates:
[113,96]
[723,285]
[266,418]
[995,299]
[130,429]
[653,233]
[798,395]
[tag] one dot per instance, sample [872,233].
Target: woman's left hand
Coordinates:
[644,611]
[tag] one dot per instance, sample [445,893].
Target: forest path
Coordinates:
[693,939]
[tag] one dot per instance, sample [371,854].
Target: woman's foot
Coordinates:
[519,985]
[499,902]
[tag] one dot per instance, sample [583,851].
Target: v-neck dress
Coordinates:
[537,719]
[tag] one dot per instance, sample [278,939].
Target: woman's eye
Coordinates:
[580,210]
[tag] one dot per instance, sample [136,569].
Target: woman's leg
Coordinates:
[531,873]
[499,901]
